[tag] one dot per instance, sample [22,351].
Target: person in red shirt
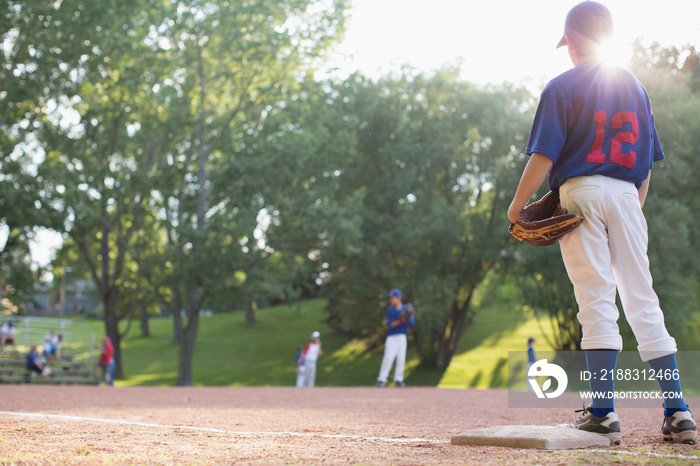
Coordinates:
[107,361]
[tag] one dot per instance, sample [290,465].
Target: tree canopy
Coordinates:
[193,160]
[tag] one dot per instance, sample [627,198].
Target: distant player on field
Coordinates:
[594,134]
[309,356]
[398,318]
[300,366]
[531,359]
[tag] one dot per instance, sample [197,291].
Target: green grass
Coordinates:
[659,454]
[481,360]
[230,352]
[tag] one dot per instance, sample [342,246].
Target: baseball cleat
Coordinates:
[380,384]
[608,426]
[680,428]
[399,384]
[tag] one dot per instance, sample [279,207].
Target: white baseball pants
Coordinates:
[395,348]
[527,376]
[309,373]
[301,376]
[608,253]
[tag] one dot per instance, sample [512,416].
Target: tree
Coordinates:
[543,284]
[102,144]
[34,74]
[421,189]
[231,68]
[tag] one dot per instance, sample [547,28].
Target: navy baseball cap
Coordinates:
[577,17]
[395,292]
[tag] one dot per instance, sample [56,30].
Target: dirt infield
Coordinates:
[96,425]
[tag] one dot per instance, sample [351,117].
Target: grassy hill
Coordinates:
[231,353]
[482,358]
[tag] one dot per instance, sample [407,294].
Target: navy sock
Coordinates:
[666,374]
[601,364]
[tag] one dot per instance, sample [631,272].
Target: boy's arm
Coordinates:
[533,176]
[303,354]
[395,321]
[644,190]
[391,322]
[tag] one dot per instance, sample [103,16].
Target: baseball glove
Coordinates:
[542,223]
[409,312]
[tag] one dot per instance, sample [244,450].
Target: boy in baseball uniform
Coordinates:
[308,359]
[594,134]
[396,339]
[301,370]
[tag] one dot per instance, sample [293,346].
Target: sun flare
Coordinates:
[614,53]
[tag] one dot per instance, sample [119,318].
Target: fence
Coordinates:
[78,342]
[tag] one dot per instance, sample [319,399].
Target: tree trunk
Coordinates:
[189,337]
[453,330]
[184,374]
[111,319]
[145,328]
[418,341]
[250,310]
[176,311]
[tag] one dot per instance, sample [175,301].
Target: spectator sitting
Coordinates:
[58,340]
[9,335]
[34,363]
[51,350]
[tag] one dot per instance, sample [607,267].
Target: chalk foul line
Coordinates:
[67,417]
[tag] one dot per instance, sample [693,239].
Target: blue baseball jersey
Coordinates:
[393,314]
[596,119]
[531,354]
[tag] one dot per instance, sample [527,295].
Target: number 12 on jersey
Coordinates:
[596,154]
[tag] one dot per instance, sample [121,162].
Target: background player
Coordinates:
[594,134]
[300,366]
[308,359]
[531,359]
[398,320]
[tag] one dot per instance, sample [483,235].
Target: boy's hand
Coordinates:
[514,213]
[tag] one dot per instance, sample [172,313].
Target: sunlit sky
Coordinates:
[497,40]
[494,40]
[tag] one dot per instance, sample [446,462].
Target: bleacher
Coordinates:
[66,372]
[77,364]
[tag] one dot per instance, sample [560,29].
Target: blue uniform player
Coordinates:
[531,360]
[398,318]
[594,134]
